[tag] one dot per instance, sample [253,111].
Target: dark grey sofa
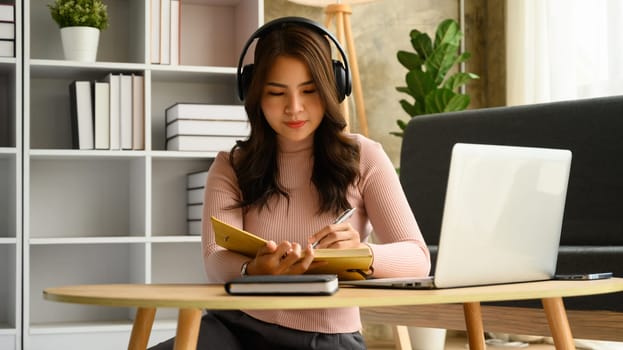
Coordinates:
[592,232]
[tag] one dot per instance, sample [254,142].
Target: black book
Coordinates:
[81,109]
[313,284]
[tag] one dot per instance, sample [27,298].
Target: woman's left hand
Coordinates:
[337,236]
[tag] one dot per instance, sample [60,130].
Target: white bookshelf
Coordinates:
[108,216]
[11,193]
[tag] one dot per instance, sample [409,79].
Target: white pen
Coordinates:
[340,219]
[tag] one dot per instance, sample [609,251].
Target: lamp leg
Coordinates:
[340,13]
[357,90]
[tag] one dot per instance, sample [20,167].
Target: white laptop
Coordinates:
[502,218]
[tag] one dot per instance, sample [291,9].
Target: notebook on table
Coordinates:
[502,218]
[348,264]
[316,284]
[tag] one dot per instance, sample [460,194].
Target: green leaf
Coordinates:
[411,109]
[448,32]
[422,44]
[401,124]
[442,61]
[413,33]
[464,57]
[444,57]
[403,89]
[444,100]
[457,103]
[436,101]
[420,84]
[458,79]
[409,60]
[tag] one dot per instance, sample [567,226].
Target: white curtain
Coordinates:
[563,49]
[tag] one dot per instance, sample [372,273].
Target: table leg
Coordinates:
[187,335]
[401,338]
[558,323]
[142,328]
[473,324]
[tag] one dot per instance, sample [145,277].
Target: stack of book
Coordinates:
[165,31]
[195,185]
[108,114]
[7,30]
[205,127]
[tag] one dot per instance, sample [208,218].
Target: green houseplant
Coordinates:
[427,80]
[80,22]
[79,13]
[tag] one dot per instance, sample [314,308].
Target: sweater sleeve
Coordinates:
[399,248]
[221,192]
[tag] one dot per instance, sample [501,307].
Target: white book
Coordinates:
[7,48]
[205,111]
[165,31]
[101,96]
[155,31]
[7,30]
[201,143]
[208,127]
[175,32]
[81,114]
[114,80]
[138,112]
[195,195]
[7,13]
[125,111]
[196,179]
[195,211]
[194,227]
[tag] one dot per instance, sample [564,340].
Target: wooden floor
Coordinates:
[458,341]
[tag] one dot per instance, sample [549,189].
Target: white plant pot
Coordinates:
[427,338]
[80,43]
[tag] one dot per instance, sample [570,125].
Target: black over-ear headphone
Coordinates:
[341,71]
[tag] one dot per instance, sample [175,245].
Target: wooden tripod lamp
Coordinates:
[339,12]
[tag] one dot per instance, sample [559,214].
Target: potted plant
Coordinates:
[428,67]
[80,22]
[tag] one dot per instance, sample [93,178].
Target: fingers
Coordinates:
[289,253]
[282,258]
[336,236]
[269,248]
[318,239]
[298,261]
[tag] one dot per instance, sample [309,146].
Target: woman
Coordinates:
[297,171]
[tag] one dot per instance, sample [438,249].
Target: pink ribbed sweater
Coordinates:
[399,248]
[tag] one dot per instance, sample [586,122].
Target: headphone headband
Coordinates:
[344,83]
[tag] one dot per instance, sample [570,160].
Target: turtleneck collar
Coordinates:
[289,146]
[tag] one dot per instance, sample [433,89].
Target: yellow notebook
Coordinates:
[348,264]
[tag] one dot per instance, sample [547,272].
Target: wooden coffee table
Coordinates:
[191,299]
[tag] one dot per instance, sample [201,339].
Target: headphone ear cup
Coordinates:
[244,81]
[342,80]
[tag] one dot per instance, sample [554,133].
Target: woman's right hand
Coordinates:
[285,258]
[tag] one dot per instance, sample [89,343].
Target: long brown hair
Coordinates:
[336,155]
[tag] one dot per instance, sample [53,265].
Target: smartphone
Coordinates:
[584,276]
